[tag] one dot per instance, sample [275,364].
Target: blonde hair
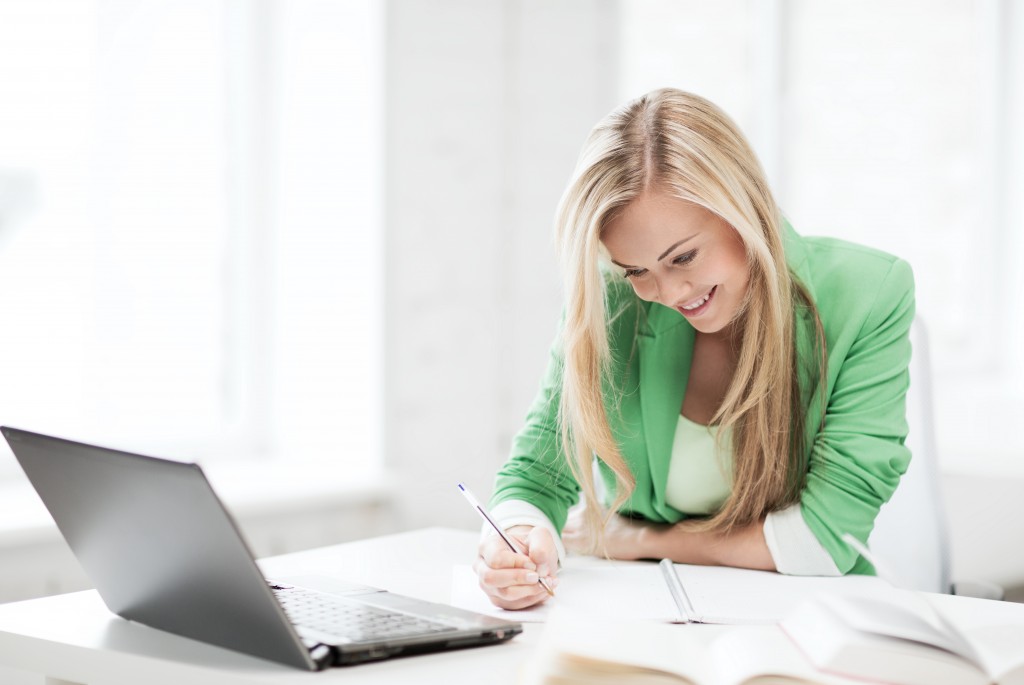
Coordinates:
[683,144]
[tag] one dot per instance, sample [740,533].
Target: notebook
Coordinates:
[667,592]
[162,550]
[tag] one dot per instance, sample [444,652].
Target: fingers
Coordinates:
[497,554]
[509,579]
[540,545]
[510,588]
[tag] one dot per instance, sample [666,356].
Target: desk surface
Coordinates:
[75,638]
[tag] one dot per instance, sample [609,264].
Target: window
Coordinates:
[190,225]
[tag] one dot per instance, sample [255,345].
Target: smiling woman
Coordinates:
[742,388]
[708,266]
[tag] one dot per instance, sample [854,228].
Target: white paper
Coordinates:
[586,585]
[637,590]
[734,595]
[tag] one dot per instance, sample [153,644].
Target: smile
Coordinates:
[699,306]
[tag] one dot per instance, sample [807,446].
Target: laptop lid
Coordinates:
[158,544]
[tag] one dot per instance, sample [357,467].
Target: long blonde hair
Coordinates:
[684,144]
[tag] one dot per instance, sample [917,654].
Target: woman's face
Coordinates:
[680,255]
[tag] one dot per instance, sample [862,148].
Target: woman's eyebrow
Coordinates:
[663,254]
[674,246]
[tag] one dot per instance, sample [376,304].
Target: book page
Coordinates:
[631,590]
[734,595]
[764,654]
[1001,651]
[903,615]
[621,651]
[832,644]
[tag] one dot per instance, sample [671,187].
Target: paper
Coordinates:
[637,590]
[734,595]
[586,585]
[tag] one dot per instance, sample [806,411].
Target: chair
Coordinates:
[910,533]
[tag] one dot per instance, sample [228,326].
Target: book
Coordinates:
[582,649]
[906,638]
[667,592]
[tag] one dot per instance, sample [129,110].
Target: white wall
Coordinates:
[986,527]
[488,104]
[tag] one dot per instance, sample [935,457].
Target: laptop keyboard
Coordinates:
[350,621]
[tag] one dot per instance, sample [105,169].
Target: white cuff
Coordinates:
[519,513]
[794,548]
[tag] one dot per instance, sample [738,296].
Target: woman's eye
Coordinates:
[634,273]
[685,258]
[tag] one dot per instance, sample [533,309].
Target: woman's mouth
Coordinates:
[697,307]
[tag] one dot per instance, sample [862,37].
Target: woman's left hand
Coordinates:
[684,542]
[623,536]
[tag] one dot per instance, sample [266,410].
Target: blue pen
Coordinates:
[508,541]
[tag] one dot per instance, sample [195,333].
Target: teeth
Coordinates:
[698,302]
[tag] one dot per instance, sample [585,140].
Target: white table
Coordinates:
[74,639]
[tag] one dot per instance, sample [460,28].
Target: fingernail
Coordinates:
[529,565]
[532,577]
[542,569]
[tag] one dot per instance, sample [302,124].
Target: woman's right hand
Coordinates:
[510,580]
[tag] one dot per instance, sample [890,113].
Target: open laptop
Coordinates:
[162,550]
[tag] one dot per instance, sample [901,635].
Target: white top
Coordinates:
[699,474]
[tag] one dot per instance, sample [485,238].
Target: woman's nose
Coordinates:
[672,292]
[647,289]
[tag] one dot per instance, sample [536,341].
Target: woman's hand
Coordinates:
[511,580]
[683,542]
[624,538]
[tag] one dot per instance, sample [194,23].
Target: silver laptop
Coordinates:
[162,550]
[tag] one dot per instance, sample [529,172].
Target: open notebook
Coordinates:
[674,593]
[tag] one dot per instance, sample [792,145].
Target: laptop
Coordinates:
[162,550]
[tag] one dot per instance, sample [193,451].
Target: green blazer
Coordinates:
[865,299]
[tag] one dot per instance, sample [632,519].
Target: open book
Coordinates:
[676,593]
[575,648]
[905,639]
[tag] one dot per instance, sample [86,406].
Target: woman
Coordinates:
[742,388]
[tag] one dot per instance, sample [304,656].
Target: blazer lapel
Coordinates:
[665,352]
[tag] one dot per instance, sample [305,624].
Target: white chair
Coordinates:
[910,534]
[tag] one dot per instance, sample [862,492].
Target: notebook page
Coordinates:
[733,595]
[634,590]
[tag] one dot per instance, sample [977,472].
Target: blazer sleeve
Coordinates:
[858,455]
[536,470]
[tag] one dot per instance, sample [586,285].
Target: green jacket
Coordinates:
[865,299]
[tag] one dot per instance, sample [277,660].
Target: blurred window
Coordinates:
[190,225]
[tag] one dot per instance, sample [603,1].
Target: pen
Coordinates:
[487,517]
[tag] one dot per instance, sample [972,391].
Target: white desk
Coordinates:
[74,639]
